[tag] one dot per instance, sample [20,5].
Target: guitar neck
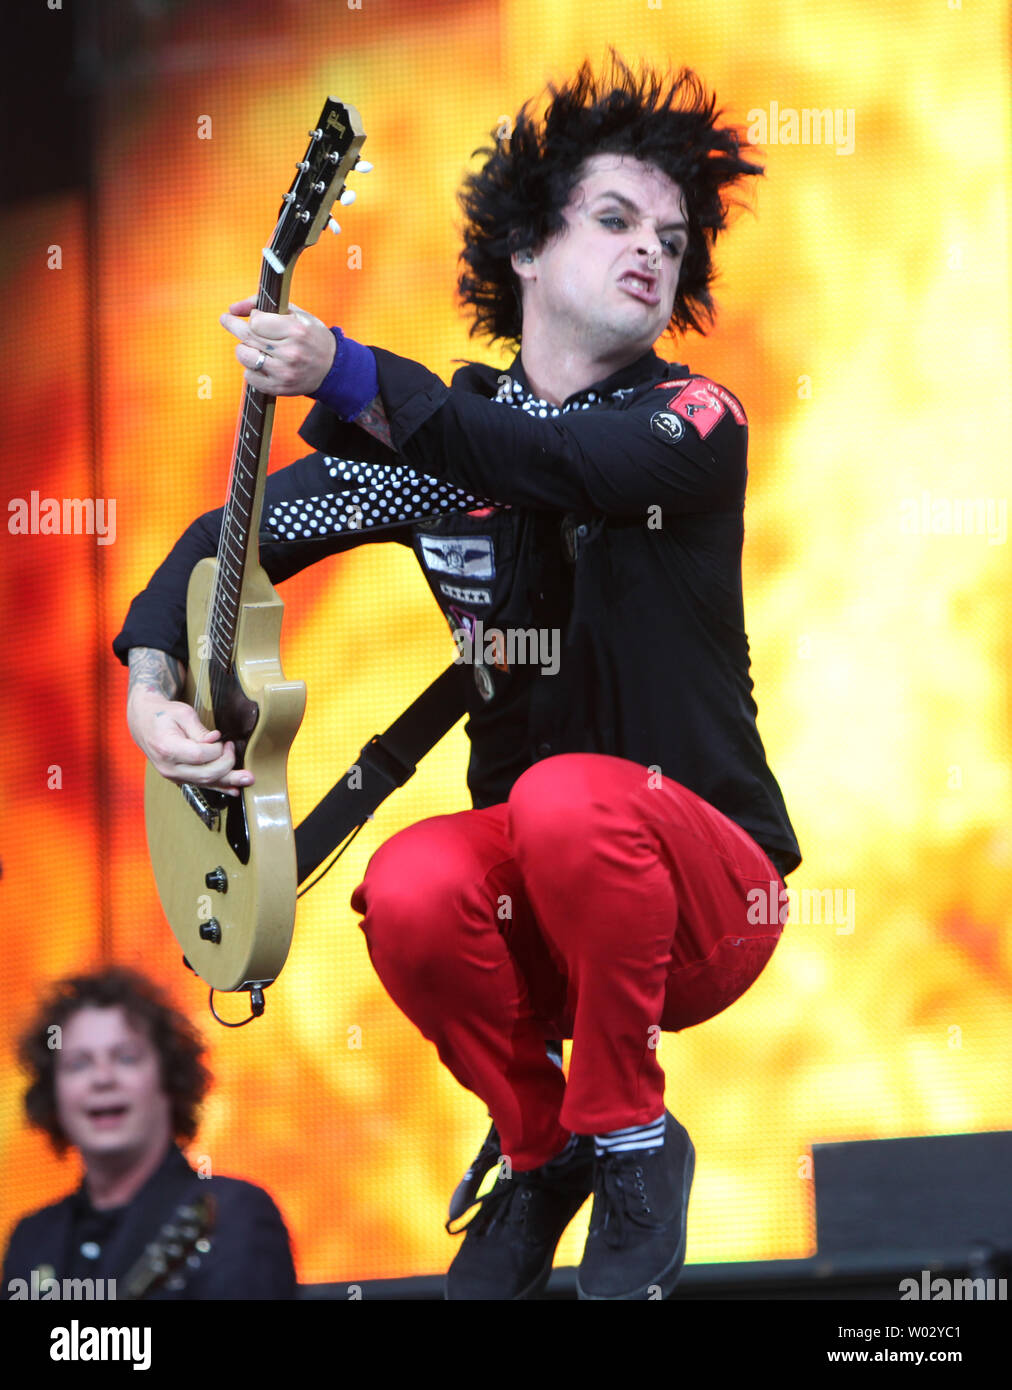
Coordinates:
[186,1231]
[305,210]
[241,522]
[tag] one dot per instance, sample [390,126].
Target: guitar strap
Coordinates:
[373,498]
[386,762]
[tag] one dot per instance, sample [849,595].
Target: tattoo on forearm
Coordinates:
[374,421]
[155,670]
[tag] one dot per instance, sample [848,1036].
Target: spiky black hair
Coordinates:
[516,200]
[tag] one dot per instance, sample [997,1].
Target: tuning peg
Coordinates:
[363,167]
[348,197]
[333,226]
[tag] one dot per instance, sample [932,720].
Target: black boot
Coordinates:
[510,1242]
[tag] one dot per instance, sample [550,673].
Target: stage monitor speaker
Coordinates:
[939,1191]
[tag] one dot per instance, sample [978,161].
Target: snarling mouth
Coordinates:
[641,286]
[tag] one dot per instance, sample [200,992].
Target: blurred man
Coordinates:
[116,1074]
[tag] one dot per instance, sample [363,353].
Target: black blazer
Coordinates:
[250,1255]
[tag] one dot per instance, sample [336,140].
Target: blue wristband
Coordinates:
[352,382]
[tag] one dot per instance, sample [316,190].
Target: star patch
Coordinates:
[482,597]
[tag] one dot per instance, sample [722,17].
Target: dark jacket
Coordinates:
[619,525]
[249,1255]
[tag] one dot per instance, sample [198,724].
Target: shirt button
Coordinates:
[544,750]
[483,680]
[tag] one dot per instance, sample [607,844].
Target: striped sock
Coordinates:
[631,1140]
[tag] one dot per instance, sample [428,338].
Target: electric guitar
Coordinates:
[225,866]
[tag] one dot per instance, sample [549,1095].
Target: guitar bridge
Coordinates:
[197,801]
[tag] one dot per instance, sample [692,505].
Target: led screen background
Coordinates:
[863,322]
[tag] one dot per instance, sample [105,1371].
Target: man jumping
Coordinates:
[623,808]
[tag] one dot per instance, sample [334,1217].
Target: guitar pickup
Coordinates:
[197,801]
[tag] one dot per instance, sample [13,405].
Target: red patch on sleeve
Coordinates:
[702,403]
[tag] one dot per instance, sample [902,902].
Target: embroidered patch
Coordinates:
[461,621]
[702,392]
[470,557]
[667,426]
[481,597]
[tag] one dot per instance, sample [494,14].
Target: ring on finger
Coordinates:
[260,361]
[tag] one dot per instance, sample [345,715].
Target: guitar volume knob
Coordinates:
[211,931]
[217,880]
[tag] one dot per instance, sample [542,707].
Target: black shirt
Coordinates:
[619,526]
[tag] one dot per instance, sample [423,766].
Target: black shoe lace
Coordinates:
[620,1197]
[506,1202]
[466,1194]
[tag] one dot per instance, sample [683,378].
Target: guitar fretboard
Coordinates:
[305,208]
[241,519]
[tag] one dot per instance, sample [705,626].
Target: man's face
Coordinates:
[109,1094]
[607,283]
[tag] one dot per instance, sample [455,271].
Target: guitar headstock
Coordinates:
[322,172]
[185,1235]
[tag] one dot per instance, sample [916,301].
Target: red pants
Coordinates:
[602,903]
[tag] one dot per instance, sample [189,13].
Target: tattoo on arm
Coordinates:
[374,421]
[155,670]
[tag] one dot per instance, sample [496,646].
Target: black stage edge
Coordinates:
[983,1274]
[922,1209]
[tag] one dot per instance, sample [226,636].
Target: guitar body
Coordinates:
[246,911]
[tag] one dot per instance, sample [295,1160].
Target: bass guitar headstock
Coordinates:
[167,1256]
